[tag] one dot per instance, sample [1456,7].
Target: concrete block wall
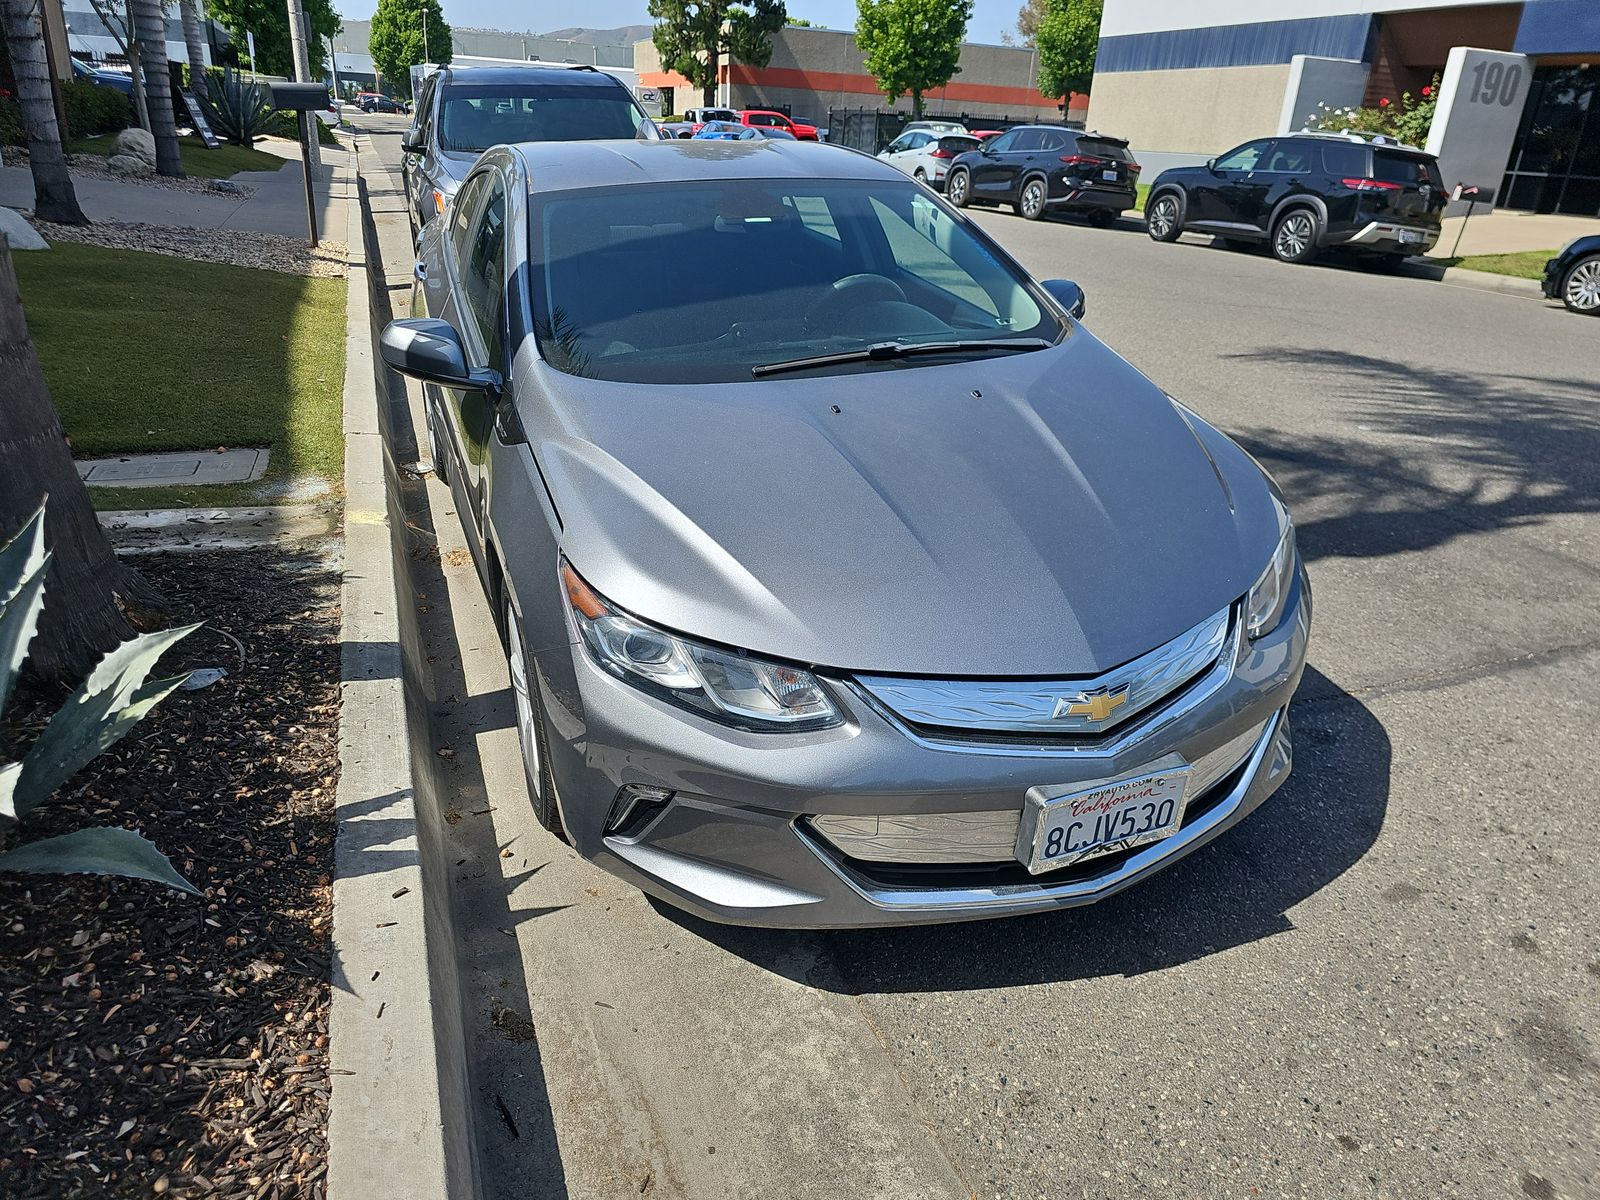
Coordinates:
[1188,116]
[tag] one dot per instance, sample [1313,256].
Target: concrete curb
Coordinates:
[1483,281]
[398,1121]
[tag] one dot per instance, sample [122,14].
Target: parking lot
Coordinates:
[1383,984]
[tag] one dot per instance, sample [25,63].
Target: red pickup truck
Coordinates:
[776,120]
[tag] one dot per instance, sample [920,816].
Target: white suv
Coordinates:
[926,154]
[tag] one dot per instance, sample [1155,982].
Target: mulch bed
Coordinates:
[152,1042]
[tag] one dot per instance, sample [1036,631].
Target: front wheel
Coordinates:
[530,727]
[1164,218]
[959,189]
[1031,202]
[1580,290]
[1294,237]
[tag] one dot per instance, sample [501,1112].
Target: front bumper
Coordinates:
[736,844]
[1392,237]
[1551,283]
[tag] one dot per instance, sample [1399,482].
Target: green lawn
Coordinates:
[1144,194]
[199,160]
[1525,264]
[146,352]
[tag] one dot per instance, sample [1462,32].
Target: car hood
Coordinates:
[453,167]
[1045,514]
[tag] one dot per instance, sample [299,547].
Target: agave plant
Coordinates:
[237,109]
[114,698]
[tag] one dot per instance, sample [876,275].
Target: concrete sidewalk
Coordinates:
[1505,232]
[278,205]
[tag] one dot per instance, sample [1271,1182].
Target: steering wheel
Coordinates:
[827,313]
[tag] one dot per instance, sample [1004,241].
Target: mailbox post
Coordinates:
[305,100]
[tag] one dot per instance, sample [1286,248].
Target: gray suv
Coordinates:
[462,111]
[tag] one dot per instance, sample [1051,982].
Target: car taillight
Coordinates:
[1079,160]
[1135,167]
[1372,185]
[940,154]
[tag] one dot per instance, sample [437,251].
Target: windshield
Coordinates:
[473,117]
[702,282]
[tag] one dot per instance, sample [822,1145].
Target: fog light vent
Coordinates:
[634,808]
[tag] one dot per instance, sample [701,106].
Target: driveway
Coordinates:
[1381,985]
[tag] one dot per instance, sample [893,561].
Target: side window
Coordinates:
[1289,157]
[1029,139]
[461,214]
[899,144]
[1053,141]
[484,279]
[1006,141]
[1344,159]
[1244,158]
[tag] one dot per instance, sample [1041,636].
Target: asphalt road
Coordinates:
[1383,984]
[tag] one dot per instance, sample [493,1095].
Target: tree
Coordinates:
[86,582]
[1028,17]
[695,36]
[190,13]
[405,33]
[269,21]
[122,34]
[150,27]
[912,45]
[53,196]
[1068,39]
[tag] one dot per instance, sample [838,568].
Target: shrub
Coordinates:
[108,704]
[1407,121]
[286,124]
[92,109]
[237,109]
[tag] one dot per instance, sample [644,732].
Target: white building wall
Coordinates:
[1151,16]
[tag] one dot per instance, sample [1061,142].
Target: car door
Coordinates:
[1011,162]
[1210,200]
[483,313]
[993,164]
[464,413]
[415,163]
[1284,171]
[891,153]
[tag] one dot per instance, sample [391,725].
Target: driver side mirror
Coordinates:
[1067,294]
[411,147]
[1211,165]
[985,147]
[429,349]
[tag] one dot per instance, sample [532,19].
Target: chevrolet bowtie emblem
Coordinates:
[1097,706]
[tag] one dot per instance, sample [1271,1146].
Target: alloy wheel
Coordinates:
[1164,217]
[958,188]
[1582,290]
[527,731]
[1294,235]
[920,175]
[1033,199]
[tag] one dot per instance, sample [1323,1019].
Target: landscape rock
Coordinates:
[135,143]
[18,234]
[127,164]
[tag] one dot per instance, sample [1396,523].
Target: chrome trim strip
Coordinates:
[1044,706]
[984,837]
[1200,690]
[1379,231]
[1268,752]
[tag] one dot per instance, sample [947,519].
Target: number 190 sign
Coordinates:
[1496,82]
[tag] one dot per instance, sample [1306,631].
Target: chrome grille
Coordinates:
[1053,708]
[977,837]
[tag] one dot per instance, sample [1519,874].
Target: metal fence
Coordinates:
[871,129]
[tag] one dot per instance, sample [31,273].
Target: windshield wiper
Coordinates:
[884,351]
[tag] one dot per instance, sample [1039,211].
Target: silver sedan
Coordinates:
[849,579]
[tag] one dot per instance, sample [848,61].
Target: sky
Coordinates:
[989,17]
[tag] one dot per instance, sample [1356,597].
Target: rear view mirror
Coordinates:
[1211,164]
[430,349]
[1067,294]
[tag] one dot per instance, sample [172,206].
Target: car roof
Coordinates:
[564,166]
[567,76]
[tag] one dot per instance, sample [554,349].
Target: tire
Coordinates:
[1164,218]
[1030,201]
[435,450]
[920,176]
[958,189]
[1294,236]
[1580,288]
[530,726]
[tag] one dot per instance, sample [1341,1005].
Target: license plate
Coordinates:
[1410,237]
[1072,826]
[1109,176]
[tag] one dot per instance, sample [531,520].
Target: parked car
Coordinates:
[384,104]
[1036,168]
[1573,275]
[101,77]
[699,116]
[768,131]
[725,131]
[675,129]
[1305,192]
[462,111]
[983,135]
[926,156]
[936,126]
[765,119]
[989,625]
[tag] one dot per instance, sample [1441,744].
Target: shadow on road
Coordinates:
[1447,453]
[1237,890]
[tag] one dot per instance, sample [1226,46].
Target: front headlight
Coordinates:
[1269,597]
[729,686]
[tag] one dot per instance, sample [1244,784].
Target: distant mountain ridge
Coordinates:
[622,35]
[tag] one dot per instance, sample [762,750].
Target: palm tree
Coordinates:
[150,28]
[83,618]
[53,197]
[191,38]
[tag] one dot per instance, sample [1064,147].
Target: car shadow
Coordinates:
[1237,890]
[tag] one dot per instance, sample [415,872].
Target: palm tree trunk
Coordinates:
[53,196]
[141,106]
[86,582]
[150,28]
[196,44]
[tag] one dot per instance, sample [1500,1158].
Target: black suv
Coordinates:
[462,111]
[1035,168]
[1304,192]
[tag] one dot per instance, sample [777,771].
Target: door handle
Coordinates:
[420,270]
